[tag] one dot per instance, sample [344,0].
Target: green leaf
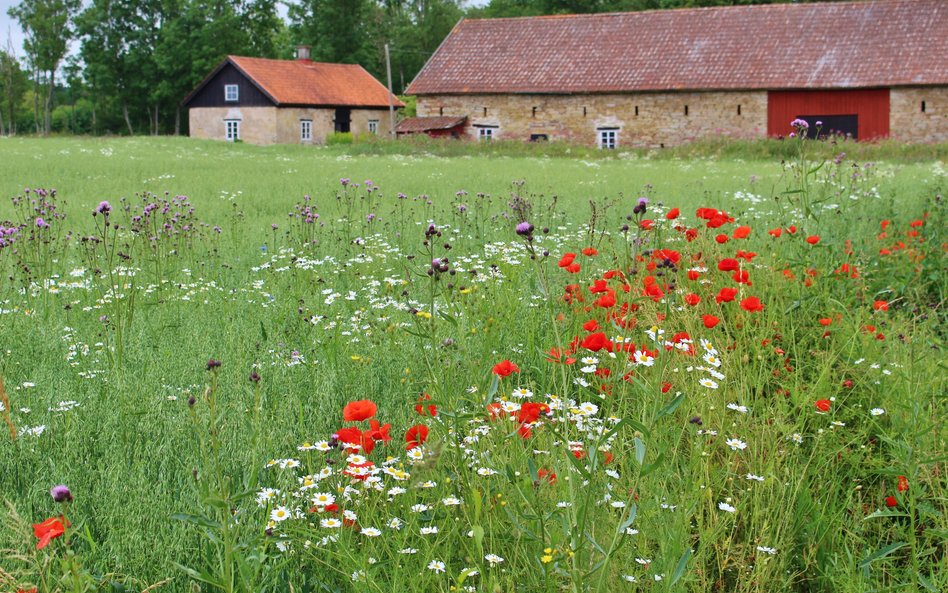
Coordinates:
[633,511]
[639,450]
[884,513]
[682,564]
[478,503]
[196,519]
[494,385]
[880,553]
[202,576]
[647,469]
[671,406]
[925,582]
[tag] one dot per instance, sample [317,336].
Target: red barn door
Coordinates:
[866,111]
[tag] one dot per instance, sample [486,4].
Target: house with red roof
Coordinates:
[868,70]
[300,101]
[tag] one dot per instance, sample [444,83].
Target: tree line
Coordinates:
[123,66]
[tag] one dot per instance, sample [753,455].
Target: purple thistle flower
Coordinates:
[60,493]
[40,223]
[524,228]
[103,207]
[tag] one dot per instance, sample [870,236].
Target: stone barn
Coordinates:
[263,101]
[868,70]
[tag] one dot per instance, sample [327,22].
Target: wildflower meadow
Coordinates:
[240,369]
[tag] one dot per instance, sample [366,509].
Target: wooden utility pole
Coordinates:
[391,96]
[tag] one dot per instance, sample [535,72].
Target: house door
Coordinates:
[832,125]
[343,120]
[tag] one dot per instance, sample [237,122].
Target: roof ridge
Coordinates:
[758,7]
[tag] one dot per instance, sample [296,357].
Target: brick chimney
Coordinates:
[302,52]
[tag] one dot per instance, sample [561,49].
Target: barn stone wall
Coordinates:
[907,120]
[257,124]
[642,119]
[272,125]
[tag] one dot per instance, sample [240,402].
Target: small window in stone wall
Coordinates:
[534,112]
[686,110]
[607,138]
[539,137]
[485,134]
[306,130]
[485,112]
[636,111]
[232,130]
[923,106]
[373,126]
[584,112]
[441,111]
[738,108]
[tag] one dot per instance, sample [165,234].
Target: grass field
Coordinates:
[746,397]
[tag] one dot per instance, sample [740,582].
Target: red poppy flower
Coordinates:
[825,321]
[792,229]
[530,412]
[728,265]
[596,342]
[775,233]
[421,409]
[505,367]
[548,475]
[691,235]
[813,239]
[377,432]
[416,436]
[358,411]
[673,214]
[891,501]
[722,239]
[752,304]
[725,295]
[49,530]
[823,405]
[903,484]
[566,260]
[573,268]
[880,305]
[746,255]
[591,325]
[607,300]
[742,232]
[590,251]
[710,321]
[693,274]
[692,299]
[741,277]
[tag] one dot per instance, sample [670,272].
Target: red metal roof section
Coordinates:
[777,46]
[412,125]
[307,83]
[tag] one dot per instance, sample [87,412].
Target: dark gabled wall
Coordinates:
[212,95]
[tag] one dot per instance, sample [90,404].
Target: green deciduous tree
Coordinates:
[48,26]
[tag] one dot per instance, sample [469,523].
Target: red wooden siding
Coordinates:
[871,106]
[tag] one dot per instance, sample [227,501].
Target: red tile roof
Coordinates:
[777,46]
[303,82]
[412,125]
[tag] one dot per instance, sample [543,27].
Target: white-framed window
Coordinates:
[232,129]
[306,130]
[608,138]
[230,92]
[485,134]
[373,126]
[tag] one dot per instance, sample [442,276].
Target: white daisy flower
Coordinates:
[705,382]
[726,507]
[493,559]
[436,566]
[279,514]
[736,444]
[371,532]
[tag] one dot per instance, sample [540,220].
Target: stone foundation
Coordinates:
[641,119]
[273,125]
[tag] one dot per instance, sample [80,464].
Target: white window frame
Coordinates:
[485,134]
[231,130]
[231,93]
[607,138]
[306,130]
[373,126]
